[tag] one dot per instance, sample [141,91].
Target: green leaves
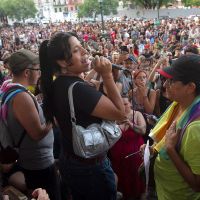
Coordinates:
[151,4]
[18,9]
[91,8]
[191,2]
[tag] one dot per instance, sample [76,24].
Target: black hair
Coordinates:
[57,48]
[38,88]
[197,90]
[191,49]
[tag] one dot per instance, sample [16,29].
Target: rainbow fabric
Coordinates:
[5,88]
[158,132]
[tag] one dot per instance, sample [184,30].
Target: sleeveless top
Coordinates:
[137,106]
[33,155]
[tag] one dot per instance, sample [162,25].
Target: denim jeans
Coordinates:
[88,182]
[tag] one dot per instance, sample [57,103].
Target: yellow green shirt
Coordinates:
[170,185]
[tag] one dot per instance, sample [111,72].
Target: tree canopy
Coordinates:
[150,4]
[191,2]
[18,9]
[91,8]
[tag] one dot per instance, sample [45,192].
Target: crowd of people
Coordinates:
[143,74]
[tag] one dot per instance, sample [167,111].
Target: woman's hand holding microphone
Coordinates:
[103,66]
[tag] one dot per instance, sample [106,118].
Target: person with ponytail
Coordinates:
[63,60]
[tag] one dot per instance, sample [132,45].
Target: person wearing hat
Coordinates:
[176,134]
[131,63]
[25,116]
[125,77]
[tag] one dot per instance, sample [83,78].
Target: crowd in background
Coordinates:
[142,47]
[147,40]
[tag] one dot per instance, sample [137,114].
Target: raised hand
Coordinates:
[171,137]
[40,194]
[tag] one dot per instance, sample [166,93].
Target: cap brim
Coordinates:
[36,60]
[167,72]
[132,60]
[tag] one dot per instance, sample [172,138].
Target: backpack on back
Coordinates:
[8,147]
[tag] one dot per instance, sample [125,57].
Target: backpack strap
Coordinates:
[6,97]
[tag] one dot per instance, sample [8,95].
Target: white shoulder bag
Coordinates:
[94,140]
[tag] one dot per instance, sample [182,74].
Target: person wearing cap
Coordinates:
[176,134]
[131,63]
[125,77]
[25,115]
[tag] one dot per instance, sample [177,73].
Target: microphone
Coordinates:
[114,66]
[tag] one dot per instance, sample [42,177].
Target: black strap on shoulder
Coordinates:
[3,100]
[12,89]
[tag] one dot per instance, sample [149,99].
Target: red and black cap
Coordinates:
[185,69]
[166,72]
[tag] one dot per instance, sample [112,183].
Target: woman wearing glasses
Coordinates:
[143,98]
[176,135]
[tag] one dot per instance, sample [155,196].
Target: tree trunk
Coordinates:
[95,15]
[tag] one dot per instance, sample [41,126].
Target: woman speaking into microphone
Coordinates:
[64,56]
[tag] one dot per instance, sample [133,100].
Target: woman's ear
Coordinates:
[191,87]
[62,63]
